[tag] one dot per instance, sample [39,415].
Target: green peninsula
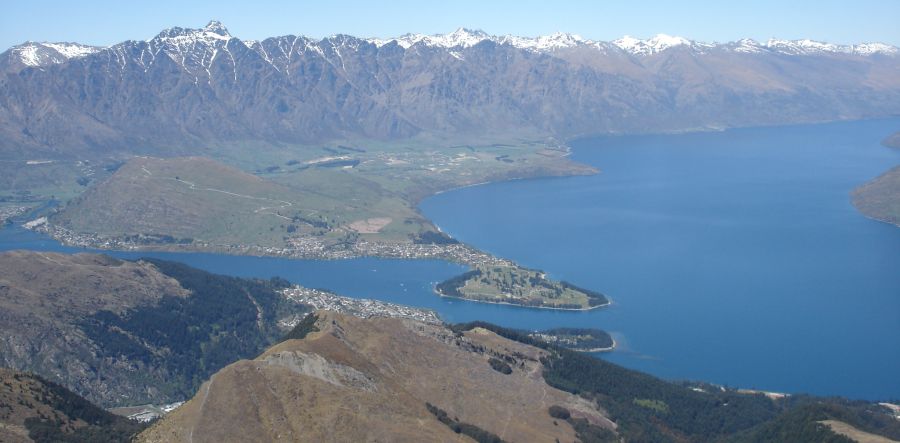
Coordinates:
[880,198]
[578,339]
[508,283]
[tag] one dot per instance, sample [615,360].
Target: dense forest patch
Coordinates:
[181,341]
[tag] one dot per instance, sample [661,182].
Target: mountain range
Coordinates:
[188,91]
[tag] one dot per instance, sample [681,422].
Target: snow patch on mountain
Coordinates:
[30,54]
[72,50]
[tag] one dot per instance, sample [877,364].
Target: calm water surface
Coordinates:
[734,257]
[731,257]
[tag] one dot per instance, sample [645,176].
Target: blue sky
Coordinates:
[104,22]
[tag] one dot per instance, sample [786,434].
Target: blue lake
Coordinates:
[732,257]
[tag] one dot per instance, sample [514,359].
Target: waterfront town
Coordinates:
[9,212]
[363,308]
[298,247]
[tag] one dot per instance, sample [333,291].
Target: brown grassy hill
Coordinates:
[184,198]
[373,380]
[35,410]
[880,198]
[199,203]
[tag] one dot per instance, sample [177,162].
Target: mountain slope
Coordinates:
[44,296]
[126,333]
[182,199]
[373,380]
[33,409]
[184,90]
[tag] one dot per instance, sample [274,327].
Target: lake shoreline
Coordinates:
[597,350]
[873,218]
[519,305]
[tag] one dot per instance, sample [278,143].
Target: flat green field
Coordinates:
[413,171]
[37,181]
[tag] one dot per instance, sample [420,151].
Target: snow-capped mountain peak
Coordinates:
[663,41]
[209,33]
[47,53]
[466,38]
[805,46]
[874,48]
[216,27]
[461,37]
[195,49]
[651,46]
[747,45]
[557,40]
